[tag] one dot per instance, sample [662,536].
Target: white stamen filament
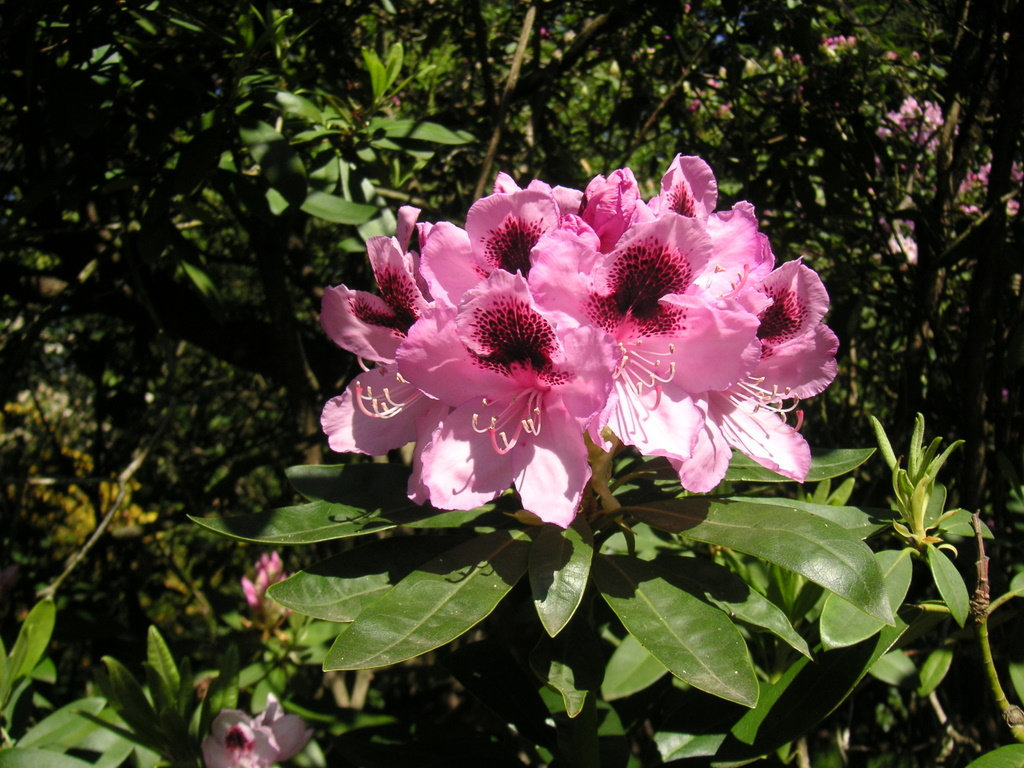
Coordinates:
[388,402]
[522,414]
[773,399]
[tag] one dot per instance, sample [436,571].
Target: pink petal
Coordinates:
[407,216]
[448,264]
[610,205]
[504,228]
[804,366]
[552,468]
[357,322]
[687,188]
[762,435]
[706,466]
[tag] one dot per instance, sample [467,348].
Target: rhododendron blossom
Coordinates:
[556,315]
[239,741]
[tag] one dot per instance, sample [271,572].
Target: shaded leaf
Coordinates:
[821,551]
[337,209]
[278,162]
[934,670]
[434,604]
[419,130]
[65,727]
[895,668]
[630,669]
[559,572]
[572,664]
[698,643]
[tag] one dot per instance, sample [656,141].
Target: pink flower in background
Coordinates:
[239,741]
[269,570]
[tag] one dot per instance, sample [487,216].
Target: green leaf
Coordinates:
[884,446]
[934,670]
[559,571]
[29,646]
[130,702]
[17,757]
[824,465]
[895,668]
[165,680]
[65,727]
[378,75]
[299,105]
[279,163]
[434,604]
[337,209]
[842,623]
[949,583]
[419,130]
[863,521]
[1010,756]
[804,695]
[338,588]
[724,589]
[819,550]
[630,669]
[572,664]
[223,692]
[698,643]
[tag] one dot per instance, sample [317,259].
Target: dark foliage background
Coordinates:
[180,180]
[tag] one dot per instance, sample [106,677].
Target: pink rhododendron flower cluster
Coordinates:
[239,741]
[559,317]
[269,570]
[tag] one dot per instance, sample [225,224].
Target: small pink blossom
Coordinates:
[265,611]
[239,741]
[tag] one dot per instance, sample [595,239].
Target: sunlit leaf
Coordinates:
[698,643]
[1010,756]
[949,583]
[337,209]
[824,464]
[559,572]
[433,605]
[823,552]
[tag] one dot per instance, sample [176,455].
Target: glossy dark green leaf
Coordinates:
[934,670]
[572,664]
[338,588]
[949,583]
[337,209]
[843,624]
[299,105]
[864,521]
[819,550]
[433,605]
[559,572]
[630,669]
[223,691]
[130,702]
[724,589]
[420,130]
[895,668]
[697,642]
[805,694]
[1010,756]
[824,465]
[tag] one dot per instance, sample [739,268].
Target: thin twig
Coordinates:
[510,84]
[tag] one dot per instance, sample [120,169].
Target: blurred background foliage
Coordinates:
[179,181]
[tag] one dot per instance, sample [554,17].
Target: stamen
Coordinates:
[390,402]
[772,399]
[522,414]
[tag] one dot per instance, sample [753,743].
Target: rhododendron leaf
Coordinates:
[306,523]
[337,209]
[805,694]
[724,589]
[843,624]
[372,486]
[698,643]
[162,674]
[820,550]
[572,664]
[559,572]
[419,130]
[824,465]
[223,692]
[433,605]
[949,583]
[338,588]
[1010,756]
[862,521]
[630,669]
